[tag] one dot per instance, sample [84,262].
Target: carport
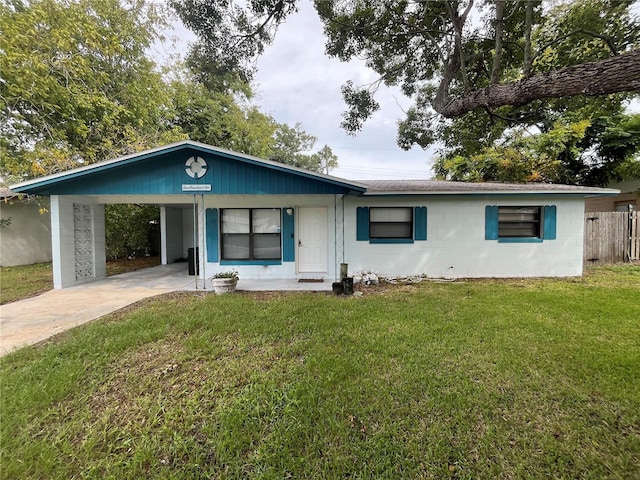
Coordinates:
[262,218]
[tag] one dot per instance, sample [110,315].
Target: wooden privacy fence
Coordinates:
[611,237]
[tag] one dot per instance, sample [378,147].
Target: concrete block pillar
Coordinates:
[77,241]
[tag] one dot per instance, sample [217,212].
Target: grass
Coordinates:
[475,379]
[18,283]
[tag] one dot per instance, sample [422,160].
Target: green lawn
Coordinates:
[476,379]
[18,283]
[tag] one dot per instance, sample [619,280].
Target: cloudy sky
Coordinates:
[297,82]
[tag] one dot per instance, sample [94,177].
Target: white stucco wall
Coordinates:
[187,231]
[27,239]
[456,245]
[171,234]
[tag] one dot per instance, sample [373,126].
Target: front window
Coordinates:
[251,234]
[390,223]
[519,222]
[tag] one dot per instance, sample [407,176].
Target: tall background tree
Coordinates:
[78,85]
[481,74]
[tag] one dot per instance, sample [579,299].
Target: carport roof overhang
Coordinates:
[163,171]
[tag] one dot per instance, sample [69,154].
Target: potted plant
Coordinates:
[224,282]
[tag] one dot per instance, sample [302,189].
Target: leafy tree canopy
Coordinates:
[477,70]
[220,118]
[293,146]
[77,86]
[583,152]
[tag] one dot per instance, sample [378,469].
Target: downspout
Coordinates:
[195,238]
[204,234]
[343,250]
[335,236]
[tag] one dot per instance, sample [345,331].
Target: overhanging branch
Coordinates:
[612,75]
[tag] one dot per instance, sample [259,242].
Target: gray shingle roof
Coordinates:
[436,187]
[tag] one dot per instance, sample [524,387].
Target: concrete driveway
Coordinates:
[35,319]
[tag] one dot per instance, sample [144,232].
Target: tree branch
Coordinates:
[276,10]
[497,57]
[612,75]
[528,21]
[458,23]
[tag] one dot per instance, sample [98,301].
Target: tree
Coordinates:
[520,52]
[292,146]
[491,65]
[218,118]
[327,160]
[77,86]
[584,152]
[130,230]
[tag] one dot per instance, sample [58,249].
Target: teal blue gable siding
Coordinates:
[163,173]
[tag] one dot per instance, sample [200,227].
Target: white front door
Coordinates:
[312,240]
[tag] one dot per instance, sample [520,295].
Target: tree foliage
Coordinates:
[77,86]
[131,230]
[584,152]
[217,118]
[230,37]
[293,146]
[477,70]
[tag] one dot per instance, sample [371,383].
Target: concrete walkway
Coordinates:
[35,319]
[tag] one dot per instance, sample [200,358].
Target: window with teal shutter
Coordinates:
[391,224]
[520,223]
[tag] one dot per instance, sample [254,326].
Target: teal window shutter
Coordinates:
[362,224]
[420,223]
[549,228]
[288,236]
[491,222]
[212,234]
